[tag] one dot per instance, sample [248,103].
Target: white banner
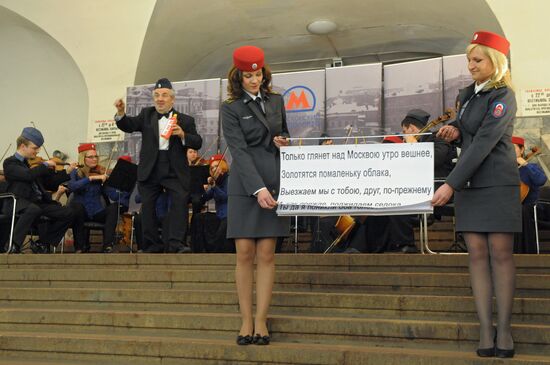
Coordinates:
[375,179]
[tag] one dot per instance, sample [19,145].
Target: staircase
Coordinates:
[326,309]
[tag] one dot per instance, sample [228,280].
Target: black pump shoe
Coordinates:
[504,354]
[245,340]
[488,351]
[262,340]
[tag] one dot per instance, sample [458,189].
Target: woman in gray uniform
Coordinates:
[485,182]
[254,126]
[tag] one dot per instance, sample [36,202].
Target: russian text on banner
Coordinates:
[375,179]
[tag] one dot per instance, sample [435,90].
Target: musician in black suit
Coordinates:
[33,200]
[162,163]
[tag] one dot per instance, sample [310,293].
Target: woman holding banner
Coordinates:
[485,183]
[254,126]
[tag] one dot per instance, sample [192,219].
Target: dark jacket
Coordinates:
[147,123]
[487,157]
[249,134]
[444,153]
[20,178]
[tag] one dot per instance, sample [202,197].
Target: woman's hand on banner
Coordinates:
[442,195]
[449,133]
[265,199]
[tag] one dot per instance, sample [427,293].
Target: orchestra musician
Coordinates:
[254,126]
[33,200]
[166,136]
[209,232]
[485,184]
[532,178]
[89,202]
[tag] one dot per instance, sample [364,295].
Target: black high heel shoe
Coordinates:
[503,353]
[245,340]
[488,351]
[261,340]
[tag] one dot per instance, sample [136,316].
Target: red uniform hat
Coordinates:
[392,139]
[126,158]
[491,40]
[518,140]
[248,58]
[86,147]
[218,157]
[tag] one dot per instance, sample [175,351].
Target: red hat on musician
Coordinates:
[217,157]
[248,58]
[518,140]
[126,158]
[86,147]
[392,139]
[491,40]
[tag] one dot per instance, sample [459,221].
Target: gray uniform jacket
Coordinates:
[485,121]
[249,134]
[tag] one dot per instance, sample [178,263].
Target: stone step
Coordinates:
[138,350]
[530,338]
[303,262]
[526,310]
[532,285]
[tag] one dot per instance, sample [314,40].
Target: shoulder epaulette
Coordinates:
[275,93]
[500,84]
[228,101]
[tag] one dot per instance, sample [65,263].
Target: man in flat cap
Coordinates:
[162,163]
[396,232]
[33,201]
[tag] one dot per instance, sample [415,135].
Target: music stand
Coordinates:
[122,178]
[199,177]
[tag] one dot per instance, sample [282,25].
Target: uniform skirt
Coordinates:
[246,219]
[490,209]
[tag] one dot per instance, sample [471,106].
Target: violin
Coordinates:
[449,114]
[59,164]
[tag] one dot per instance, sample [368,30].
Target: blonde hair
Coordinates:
[501,73]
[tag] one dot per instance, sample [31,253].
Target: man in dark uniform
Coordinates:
[33,200]
[396,232]
[163,163]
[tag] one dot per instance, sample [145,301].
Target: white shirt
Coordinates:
[478,88]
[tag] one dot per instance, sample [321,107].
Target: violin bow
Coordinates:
[43,144]
[223,156]
[5,152]
[205,151]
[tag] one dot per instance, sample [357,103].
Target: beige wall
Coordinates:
[524,25]
[104,41]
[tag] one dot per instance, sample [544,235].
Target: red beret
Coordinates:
[86,147]
[126,158]
[218,157]
[491,40]
[248,58]
[518,140]
[392,139]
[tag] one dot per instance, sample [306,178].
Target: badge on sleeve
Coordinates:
[498,109]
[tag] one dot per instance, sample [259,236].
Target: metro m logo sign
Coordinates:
[299,99]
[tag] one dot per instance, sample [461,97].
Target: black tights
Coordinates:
[492,265]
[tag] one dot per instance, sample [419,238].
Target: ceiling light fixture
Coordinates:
[321,27]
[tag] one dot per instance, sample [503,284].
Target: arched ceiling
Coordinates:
[189,39]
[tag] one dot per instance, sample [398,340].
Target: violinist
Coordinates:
[33,200]
[215,230]
[532,178]
[88,202]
